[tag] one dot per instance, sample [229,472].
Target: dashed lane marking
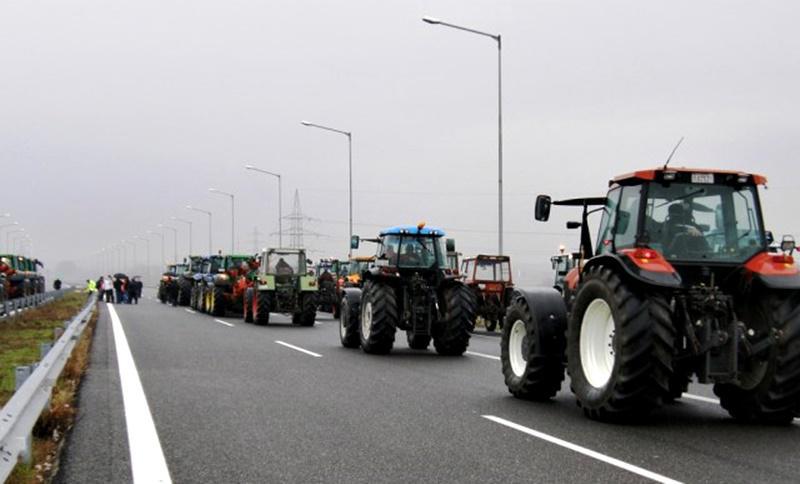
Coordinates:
[583,450]
[192,311]
[225,323]
[483,355]
[147,458]
[297,348]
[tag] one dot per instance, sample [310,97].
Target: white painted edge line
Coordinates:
[583,450]
[297,348]
[483,355]
[225,323]
[192,311]
[147,458]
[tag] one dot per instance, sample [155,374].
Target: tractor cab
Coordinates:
[410,249]
[285,265]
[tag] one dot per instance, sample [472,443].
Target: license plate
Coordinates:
[707,178]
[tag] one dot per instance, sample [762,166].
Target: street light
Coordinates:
[498,39]
[210,250]
[189,223]
[280,214]
[8,225]
[8,237]
[220,192]
[349,164]
[174,240]
[152,232]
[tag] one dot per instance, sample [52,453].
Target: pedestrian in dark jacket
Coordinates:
[134,290]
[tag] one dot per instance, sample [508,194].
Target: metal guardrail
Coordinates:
[16,305]
[20,414]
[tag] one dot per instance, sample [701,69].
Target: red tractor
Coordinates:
[681,282]
[489,277]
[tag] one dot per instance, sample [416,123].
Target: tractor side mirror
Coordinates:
[309,262]
[450,245]
[788,244]
[354,241]
[542,210]
[770,238]
[573,225]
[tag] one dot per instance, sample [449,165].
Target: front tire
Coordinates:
[454,328]
[261,308]
[218,301]
[533,345]
[184,293]
[770,388]
[379,317]
[619,348]
[247,305]
[308,314]
[348,324]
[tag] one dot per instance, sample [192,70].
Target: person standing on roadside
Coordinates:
[108,289]
[134,290]
[118,290]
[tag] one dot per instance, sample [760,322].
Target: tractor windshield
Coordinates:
[694,222]
[358,266]
[492,270]
[283,264]
[181,269]
[413,251]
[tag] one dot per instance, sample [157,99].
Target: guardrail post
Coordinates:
[26,454]
[44,348]
[57,332]
[21,374]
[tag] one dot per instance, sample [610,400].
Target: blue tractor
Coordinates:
[410,288]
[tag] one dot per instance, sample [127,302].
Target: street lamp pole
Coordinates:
[210,245]
[147,249]
[8,225]
[349,135]
[161,235]
[174,241]
[220,192]
[280,197]
[8,238]
[189,223]
[499,40]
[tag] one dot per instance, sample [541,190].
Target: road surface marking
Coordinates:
[297,348]
[583,450]
[190,310]
[224,322]
[483,355]
[701,399]
[147,458]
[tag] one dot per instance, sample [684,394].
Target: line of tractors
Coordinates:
[683,282]
[19,277]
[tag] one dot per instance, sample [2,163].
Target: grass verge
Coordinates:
[19,345]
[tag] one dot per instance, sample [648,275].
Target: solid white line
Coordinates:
[701,399]
[583,450]
[483,355]
[224,322]
[297,348]
[147,458]
[190,310]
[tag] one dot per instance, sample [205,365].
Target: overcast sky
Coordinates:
[115,115]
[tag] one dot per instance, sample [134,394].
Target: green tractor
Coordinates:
[187,280]
[224,287]
[168,291]
[681,283]
[410,288]
[282,284]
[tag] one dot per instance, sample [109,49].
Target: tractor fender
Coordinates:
[548,310]
[779,282]
[353,296]
[624,266]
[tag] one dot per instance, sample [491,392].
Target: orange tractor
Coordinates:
[682,282]
[489,277]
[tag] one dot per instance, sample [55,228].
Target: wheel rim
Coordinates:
[597,343]
[342,324]
[516,350]
[366,320]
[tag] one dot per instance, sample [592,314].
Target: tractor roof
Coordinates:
[285,250]
[363,258]
[657,173]
[412,230]
[495,258]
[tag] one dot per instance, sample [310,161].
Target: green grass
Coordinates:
[21,336]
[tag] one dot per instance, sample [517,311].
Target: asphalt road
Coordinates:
[230,404]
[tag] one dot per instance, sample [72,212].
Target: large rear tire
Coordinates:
[619,348]
[261,308]
[769,391]
[218,304]
[348,324]
[308,314]
[247,305]
[379,317]
[452,332]
[184,292]
[193,299]
[532,347]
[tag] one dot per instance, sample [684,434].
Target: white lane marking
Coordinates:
[224,322]
[583,450]
[147,458]
[297,348]
[483,355]
[190,310]
[701,399]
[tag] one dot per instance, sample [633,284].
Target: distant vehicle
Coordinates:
[20,276]
[282,284]
[680,283]
[352,276]
[409,288]
[489,277]
[187,279]
[168,286]
[225,287]
[328,272]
